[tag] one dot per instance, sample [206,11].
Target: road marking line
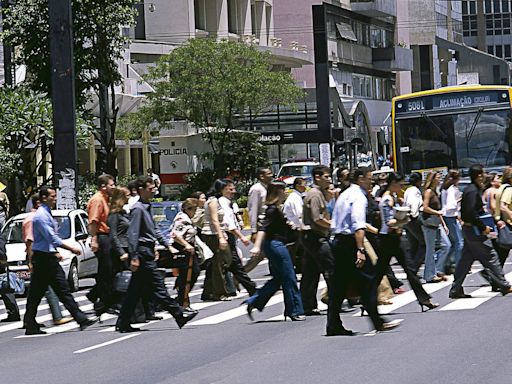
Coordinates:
[408,297]
[240,311]
[106,343]
[479,297]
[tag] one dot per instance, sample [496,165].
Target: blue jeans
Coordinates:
[434,261]
[283,275]
[456,239]
[53,302]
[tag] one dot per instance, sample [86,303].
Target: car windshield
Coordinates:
[13,232]
[164,214]
[296,170]
[458,140]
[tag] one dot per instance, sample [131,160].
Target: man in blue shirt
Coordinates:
[46,268]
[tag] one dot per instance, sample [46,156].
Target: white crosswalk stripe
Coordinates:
[213,313]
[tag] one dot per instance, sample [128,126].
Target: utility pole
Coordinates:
[63,100]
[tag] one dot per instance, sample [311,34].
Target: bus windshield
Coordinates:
[455,140]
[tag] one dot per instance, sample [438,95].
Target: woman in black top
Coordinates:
[274,233]
[118,221]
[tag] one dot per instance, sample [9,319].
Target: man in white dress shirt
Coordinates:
[351,267]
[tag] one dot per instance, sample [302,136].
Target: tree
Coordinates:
[243,154]
[98,45]
[213,85]
[26,140]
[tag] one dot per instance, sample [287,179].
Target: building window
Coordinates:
[488,6]
[505,6]
[200,14]
[508,55]
[499,51]
[490,49]
[506,24]
[489,25]
[472,7]
[233,16]
[496,6]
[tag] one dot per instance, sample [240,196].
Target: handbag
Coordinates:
[122,281]
[430,221]
[10,283]
[504,239]
[203,252]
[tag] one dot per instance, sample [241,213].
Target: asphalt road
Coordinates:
[463,341]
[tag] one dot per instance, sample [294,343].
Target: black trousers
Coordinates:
[237,269]
[48,272]
[347,277]
[181,280]
[10,304]
[147,276]
[103,289]
[318,259]
[390,246]
[417,245]
[374,241]
[478,247]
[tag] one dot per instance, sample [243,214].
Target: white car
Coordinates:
[289,171]
[72,228]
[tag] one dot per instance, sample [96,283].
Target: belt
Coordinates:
[467,225]
[343,235]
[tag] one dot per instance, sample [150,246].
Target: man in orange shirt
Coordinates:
[98,210]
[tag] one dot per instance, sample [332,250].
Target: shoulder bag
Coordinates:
[122,281]
[10,283]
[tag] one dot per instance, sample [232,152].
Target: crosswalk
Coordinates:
[216,313]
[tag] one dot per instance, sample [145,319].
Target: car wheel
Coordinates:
[73,279]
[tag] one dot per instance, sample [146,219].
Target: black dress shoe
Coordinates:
[313,312]
[296,317]
[459,295]
[34,331]
[185,318]
[10,319]
[87,323]
[340,332]
[127,329]
[388,326]
[154,318]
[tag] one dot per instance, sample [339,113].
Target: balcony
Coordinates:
[374,8]
[393,59]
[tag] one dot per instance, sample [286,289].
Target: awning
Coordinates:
[346,32]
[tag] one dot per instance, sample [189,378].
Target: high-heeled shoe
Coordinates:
[429,304]
[296,317]
[250,308]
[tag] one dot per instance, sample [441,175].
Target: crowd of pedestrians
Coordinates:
[347,233]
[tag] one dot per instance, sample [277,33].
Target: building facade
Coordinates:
[486,26]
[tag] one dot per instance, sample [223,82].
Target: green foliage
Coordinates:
[243,154]
[200,181]
[25,124]
[98,45]
[86,189]
[213,85]
[98,42]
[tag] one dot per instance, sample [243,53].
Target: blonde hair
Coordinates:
[119,199]
[189,203]
[429,180]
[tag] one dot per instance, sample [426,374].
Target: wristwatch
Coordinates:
[362,250]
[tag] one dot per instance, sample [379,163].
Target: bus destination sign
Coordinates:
[451,100]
